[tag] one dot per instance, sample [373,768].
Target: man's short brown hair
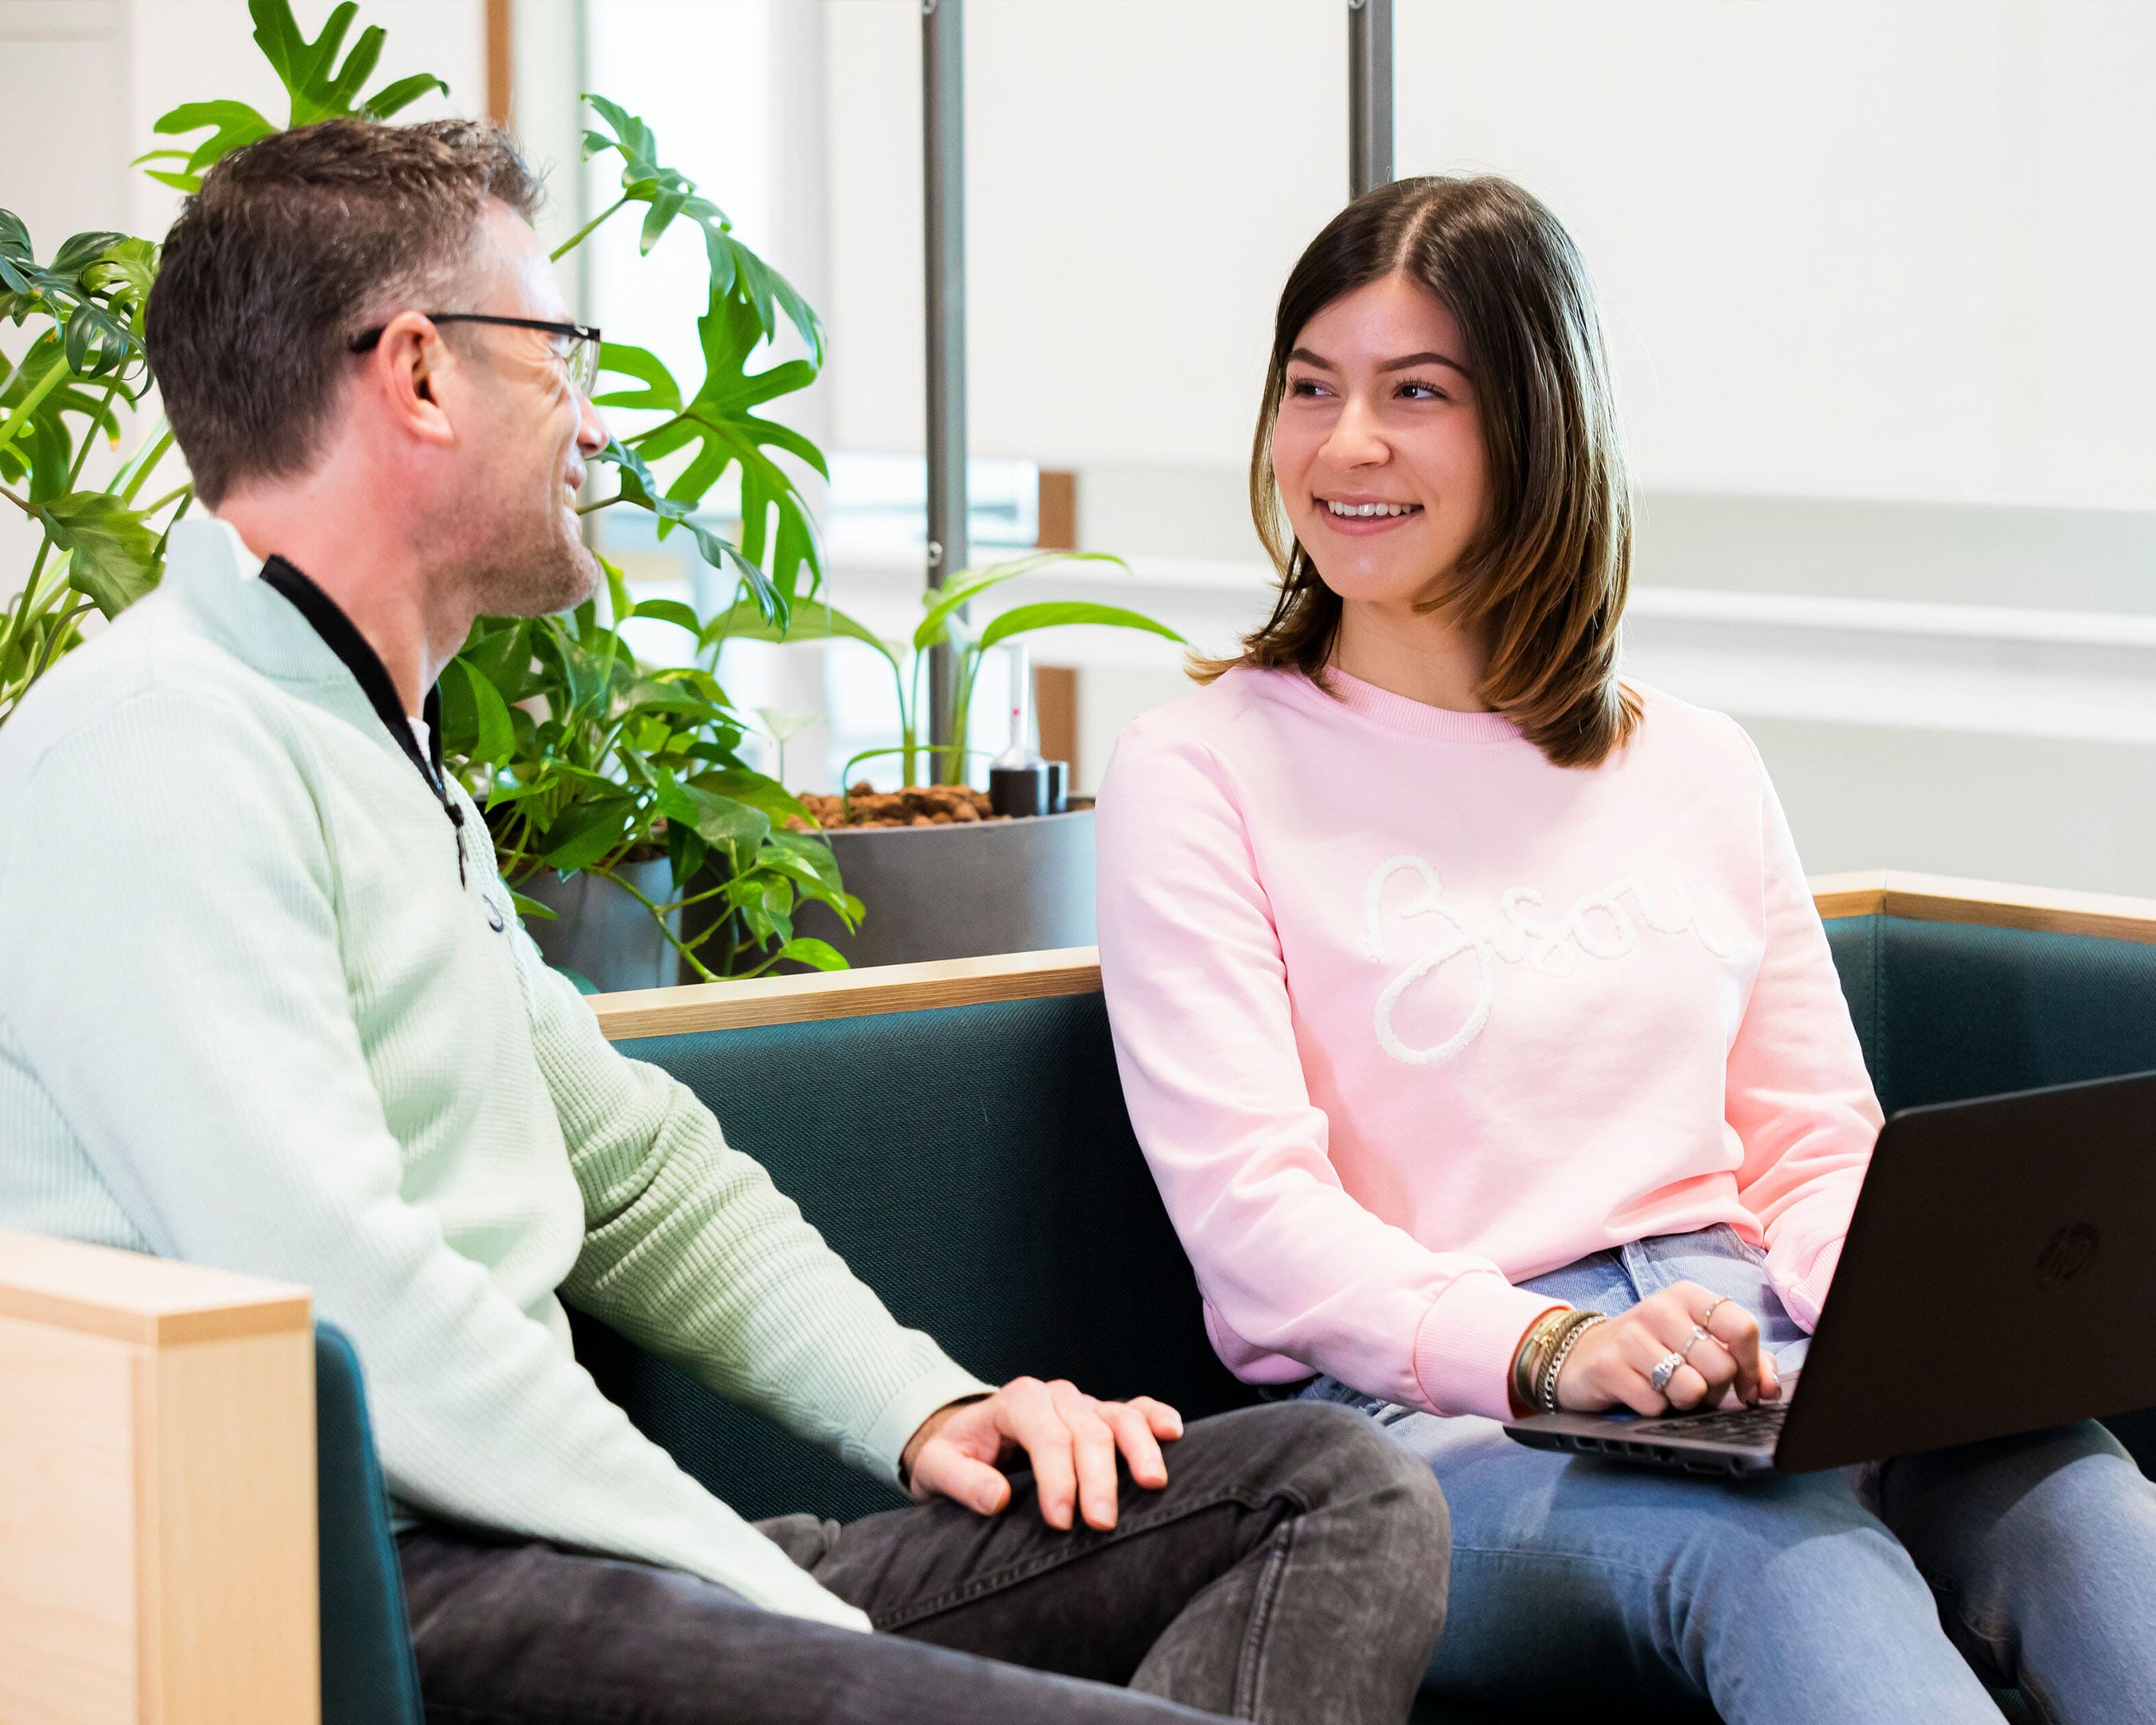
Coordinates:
[293,245]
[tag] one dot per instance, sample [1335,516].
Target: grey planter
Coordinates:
[602,934]
[963,891]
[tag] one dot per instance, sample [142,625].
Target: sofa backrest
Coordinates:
[1947,1010]
[975,1165]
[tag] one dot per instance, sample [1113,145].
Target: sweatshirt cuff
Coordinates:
[1465,1344]
[1805,1297]
[941,1384]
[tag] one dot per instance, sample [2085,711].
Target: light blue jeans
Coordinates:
[1891,1594]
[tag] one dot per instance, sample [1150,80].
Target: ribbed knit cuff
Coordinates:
[1807,1296]
[946,1383]
[1465,1344]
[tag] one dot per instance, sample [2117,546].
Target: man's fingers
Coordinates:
[946,1470]
[1134,1437]
[1027,1415]
[1163,1420]
[1093,1450]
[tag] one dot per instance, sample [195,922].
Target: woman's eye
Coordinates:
[1304,386]
[1422,392]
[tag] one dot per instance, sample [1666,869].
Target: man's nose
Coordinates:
[591,434]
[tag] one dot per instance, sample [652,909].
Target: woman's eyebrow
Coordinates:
[1405,362]
[1413,360]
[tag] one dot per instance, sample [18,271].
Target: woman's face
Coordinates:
[1378,450]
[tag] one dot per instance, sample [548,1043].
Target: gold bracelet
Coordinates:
[1534,1353]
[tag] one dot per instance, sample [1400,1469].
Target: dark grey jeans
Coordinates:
[1292,1570]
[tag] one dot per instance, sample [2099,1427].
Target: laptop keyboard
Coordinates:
[1759,1426]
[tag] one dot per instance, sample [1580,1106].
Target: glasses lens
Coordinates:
[584,362]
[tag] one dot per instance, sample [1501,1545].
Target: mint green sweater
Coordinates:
[249,1017]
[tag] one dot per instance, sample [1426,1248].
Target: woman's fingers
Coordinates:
[1737,1330]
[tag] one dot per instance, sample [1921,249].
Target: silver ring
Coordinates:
[1712,1306]
[1665,1369]
[1698,1336]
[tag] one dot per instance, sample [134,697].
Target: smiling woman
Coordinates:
[1438,438]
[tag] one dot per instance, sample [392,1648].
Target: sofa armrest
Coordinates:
[157,1509]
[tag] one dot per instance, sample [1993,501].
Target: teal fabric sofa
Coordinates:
[958,1134]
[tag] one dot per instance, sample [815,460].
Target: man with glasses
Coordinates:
[344,1064]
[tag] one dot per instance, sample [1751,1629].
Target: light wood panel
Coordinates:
[1943,898]
[154,1301]
[68,1654]
[848,993]
[157,1517]
[1076,970]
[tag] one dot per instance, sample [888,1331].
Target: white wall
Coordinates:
[83,81]
[1848,248]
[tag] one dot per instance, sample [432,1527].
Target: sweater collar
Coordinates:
[278,621]
[287,628]
[1412,718]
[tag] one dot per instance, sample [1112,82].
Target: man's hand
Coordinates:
[1070,1439]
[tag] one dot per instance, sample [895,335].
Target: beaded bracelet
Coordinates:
[1546,1399]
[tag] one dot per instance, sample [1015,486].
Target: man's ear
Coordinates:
[404,374]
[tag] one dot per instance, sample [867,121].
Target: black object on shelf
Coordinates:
[1036,788]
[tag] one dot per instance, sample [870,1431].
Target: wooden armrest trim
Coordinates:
[1076,970]
[152,1303]
[848,993]
[1945,898]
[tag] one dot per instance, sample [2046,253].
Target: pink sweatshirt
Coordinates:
[1406,1014]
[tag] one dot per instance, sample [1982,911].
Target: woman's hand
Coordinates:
[1609,1365]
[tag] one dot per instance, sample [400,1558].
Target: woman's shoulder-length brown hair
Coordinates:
[1544,577]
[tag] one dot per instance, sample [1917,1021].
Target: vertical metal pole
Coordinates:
[942,76]
[1369,94]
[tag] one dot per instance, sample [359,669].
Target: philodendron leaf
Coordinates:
[113,552]
[639,486]
[962,584]
[495,733]
[718,423]
[736,270]
[814,621]
[809,951]
[1023,618]
[659,389]
[718,821]
[233,124]
[393,98]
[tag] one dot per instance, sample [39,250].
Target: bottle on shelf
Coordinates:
[1019,782]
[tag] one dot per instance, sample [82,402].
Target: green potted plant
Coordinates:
[940,874]
[610,787]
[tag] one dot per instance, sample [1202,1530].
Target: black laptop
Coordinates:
[1999,1277]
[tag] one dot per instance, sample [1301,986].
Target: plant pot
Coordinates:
[963,890]
[603,935]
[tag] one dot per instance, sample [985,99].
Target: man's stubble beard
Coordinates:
[534,575]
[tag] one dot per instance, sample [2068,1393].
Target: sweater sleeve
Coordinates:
[227,1103]
[1799,1097]
[691,1252]
[1198,999]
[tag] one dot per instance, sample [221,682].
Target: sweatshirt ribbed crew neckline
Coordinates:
[1404,715]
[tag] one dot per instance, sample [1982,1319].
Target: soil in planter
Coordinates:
[935,805]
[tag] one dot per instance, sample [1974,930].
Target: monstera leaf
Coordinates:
[316,85]
[670,194]
[113,550]
[777,534]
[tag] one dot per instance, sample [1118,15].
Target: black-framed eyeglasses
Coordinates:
[576,345]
